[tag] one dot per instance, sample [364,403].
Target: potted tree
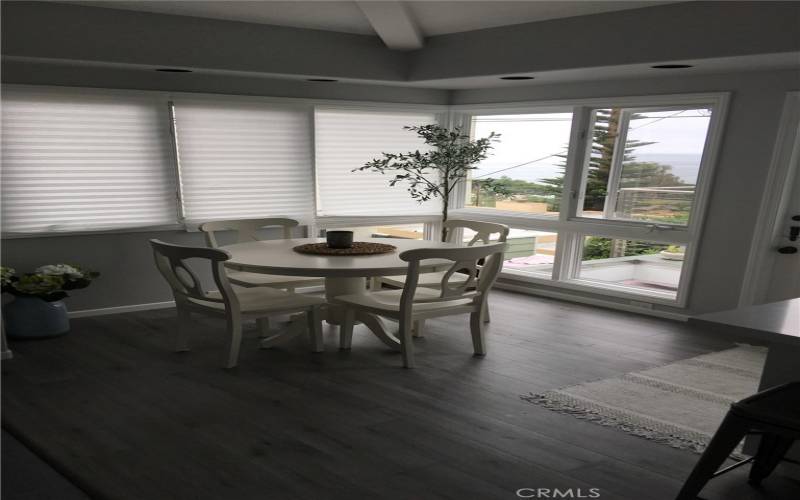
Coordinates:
[38,309]
[437,172]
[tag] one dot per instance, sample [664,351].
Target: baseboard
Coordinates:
[121,309]
[593,302]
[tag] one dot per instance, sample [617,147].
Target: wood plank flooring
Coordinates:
[112,409]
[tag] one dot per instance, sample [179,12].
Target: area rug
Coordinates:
[680,404]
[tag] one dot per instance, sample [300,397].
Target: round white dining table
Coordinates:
[343,274]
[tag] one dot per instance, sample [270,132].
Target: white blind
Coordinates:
[242,159]
[82,159]
[346,139]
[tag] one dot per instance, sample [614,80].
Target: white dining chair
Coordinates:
[236,304]
[485,232]
[414,303]
[247,230]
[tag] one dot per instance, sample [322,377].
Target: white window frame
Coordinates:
[571,227]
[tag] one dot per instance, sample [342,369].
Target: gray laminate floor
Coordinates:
[117,413]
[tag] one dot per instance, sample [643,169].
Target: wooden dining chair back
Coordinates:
[465,261]
[235,305]
[171,263]
[414,304]
[246,229]
[484,231]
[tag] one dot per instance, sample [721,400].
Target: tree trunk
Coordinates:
[445,203]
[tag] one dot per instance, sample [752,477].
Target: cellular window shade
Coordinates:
[346,139]
[243,160]
[82,160]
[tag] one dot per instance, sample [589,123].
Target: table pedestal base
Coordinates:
[335,314]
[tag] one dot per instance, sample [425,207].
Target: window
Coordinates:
[652,268]
[604,193]
[241,159]
[78,160]
[644,163]
[530,253]
[624,182]
[346,139]
[525,170]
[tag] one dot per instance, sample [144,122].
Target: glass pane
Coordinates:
[525,170]
[659,170]
[530,253]
[636,265]
[405,231]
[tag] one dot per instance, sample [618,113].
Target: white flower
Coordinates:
[6,273]
[60,270]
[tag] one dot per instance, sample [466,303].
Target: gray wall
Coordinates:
[79,33]
[679,31]
[51,73]
[674,32]
[746,150]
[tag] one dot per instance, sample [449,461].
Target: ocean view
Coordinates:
[685,166]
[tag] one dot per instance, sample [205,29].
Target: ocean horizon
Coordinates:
[683,165]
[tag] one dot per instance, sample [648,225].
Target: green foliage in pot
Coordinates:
[437,172]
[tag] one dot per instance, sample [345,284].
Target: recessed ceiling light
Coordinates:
[324,80]
[516,77]
[173,70]
[672,66]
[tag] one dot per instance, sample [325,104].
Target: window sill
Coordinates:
[52,234]
[598,288]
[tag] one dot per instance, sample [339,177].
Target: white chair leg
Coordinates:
[346,329]
[314,319]
[182,332]
[406,343]
[419,328]
[263,327]
[375,284]
[485,312]
[478,338]
[234,340]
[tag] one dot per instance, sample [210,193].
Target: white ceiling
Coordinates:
[432,17]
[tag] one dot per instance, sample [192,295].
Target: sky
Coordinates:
[679,136]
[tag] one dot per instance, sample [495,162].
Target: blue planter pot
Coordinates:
[32,317]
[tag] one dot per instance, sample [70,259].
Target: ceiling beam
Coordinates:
[394,24]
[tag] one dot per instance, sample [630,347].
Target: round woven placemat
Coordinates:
[358,248]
